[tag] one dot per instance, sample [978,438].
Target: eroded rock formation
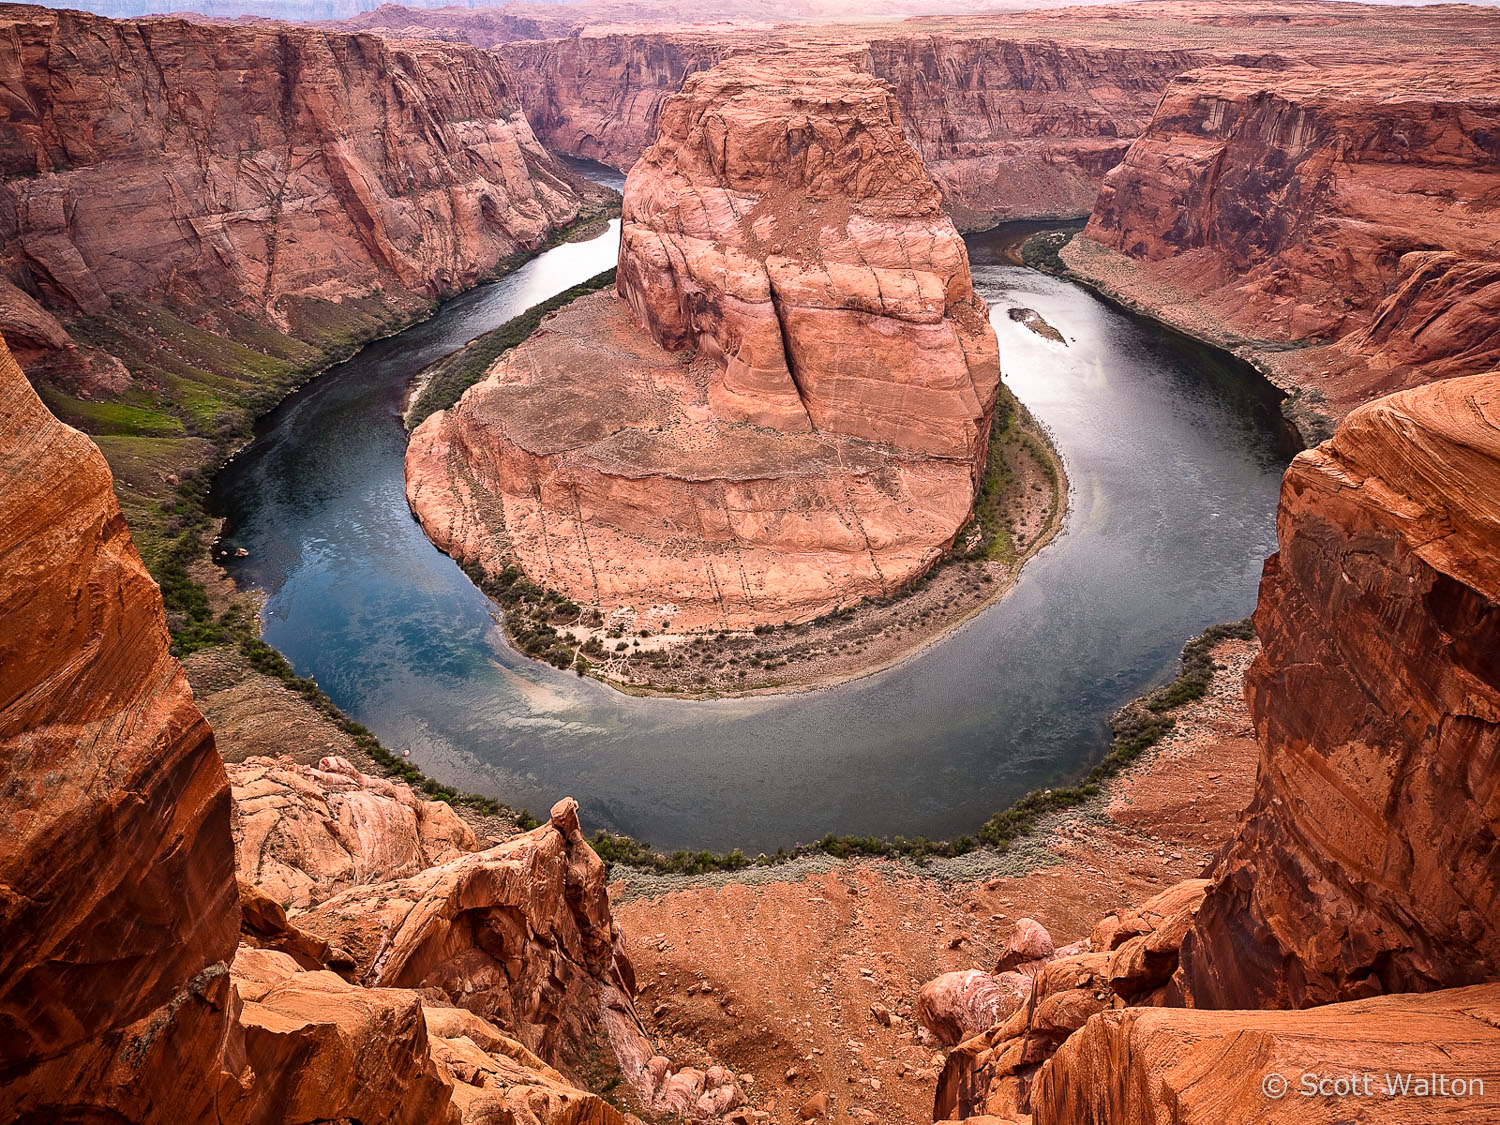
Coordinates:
[804,419]
[122,912]
[1163,1064]
[520,933]
[119,906]
[1334,203]
[1368,861]
[302,833]
[276,174]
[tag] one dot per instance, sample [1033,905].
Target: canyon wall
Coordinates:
[785,410]
[119,909]
[261,182]
[1370,861]
[1344,203]
[1016,114]
[1008,127]
[134,989]
[600,96]
[1367,867]
[1016,128]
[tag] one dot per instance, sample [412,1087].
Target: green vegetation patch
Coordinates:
[449,378]
[1139,726]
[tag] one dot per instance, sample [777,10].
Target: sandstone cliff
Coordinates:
[1016,114]
[279,189]
[800,424]
[601,96]
[1009,126]
[1368,861]
[119,910]
[124,995]
[1339,203]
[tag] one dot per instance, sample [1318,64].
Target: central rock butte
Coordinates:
[788,411]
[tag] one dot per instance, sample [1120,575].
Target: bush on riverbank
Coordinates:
[451,377]
[1137,727]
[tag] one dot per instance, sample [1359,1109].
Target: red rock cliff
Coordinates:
[814,432]
[1347,203]
[264,170]
[119,907]
[1015,114]
[123,995]
[783,223]
[1370,862]
[1368,867]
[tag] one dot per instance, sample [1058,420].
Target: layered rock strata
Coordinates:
[1370,861]
[1367,862]
[1420,1055]
[127,993]
[800,421]
[230,172]
[1341,203]
[119,906]
[1016,114]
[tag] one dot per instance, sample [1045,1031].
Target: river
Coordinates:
[1174,457]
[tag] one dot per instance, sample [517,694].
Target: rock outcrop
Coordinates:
[126,994]
[520,934]
[1407,1059]
[119,905]
[804,419]
[1338,203]
[254,180]
[302,833]
[1370,862]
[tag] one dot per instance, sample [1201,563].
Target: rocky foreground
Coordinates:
[143,982]
[788,406]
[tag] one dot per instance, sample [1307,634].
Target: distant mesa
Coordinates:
[786,407]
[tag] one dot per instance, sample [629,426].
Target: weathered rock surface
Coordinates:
[1370,860]
[815,432]
[302,833]
[600,96]
[957,1005]
[1016,114]
[331,1049]
[1350,203]
[1143,1066]
[520,934]
[119,906]
[793,233]
[241,171]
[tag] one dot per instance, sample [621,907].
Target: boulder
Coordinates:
[302,833]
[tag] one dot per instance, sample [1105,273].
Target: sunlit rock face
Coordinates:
[787,407]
